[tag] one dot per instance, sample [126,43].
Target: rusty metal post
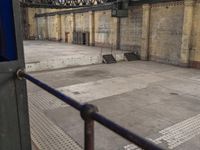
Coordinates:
[89,135]
[87,111]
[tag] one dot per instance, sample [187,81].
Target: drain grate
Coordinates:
[109,59]
[46,135]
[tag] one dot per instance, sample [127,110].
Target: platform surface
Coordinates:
[157,101]
[48,55]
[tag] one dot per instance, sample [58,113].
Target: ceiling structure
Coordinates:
[61,4]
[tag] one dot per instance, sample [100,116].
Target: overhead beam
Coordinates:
[65,4]
[62,4]
[105,6]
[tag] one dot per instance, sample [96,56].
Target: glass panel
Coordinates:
[8,51]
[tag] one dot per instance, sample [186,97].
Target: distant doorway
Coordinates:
[81,38]
[66,37]
[84,39]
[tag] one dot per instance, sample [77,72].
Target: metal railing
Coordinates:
[89,114]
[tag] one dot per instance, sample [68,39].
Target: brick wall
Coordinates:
[166,32]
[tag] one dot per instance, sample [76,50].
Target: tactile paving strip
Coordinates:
[177,134]
[46,135]
[131,147]
[45,101]
[180,132]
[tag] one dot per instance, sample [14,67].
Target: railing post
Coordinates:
[89,135]
[86,114]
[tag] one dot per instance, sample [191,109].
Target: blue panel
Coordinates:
[8,50]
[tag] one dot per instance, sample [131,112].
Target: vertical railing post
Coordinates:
[86,113]
[89,134]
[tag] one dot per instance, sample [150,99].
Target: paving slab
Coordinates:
[157,101]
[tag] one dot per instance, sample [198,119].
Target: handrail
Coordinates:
[89,114]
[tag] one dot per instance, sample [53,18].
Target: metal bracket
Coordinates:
[20,73]
[87,110]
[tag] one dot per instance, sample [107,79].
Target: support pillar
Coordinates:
[46,28]
[31,31]
[115,26]
[91,28]
[73,26]
[186,34]
[145,32]
[58,27]
[118,40]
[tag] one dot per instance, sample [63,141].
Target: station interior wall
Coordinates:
[167,32]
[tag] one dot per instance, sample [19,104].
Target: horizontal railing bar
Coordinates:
[54,92]
[134,138]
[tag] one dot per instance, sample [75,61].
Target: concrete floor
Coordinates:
[157,101]
[47,55]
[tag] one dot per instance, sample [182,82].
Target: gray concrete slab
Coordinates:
[48,55]
[71,76]
[157,101]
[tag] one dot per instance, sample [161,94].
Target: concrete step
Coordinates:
[67,61]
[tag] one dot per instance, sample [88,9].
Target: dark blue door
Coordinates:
[8,50]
